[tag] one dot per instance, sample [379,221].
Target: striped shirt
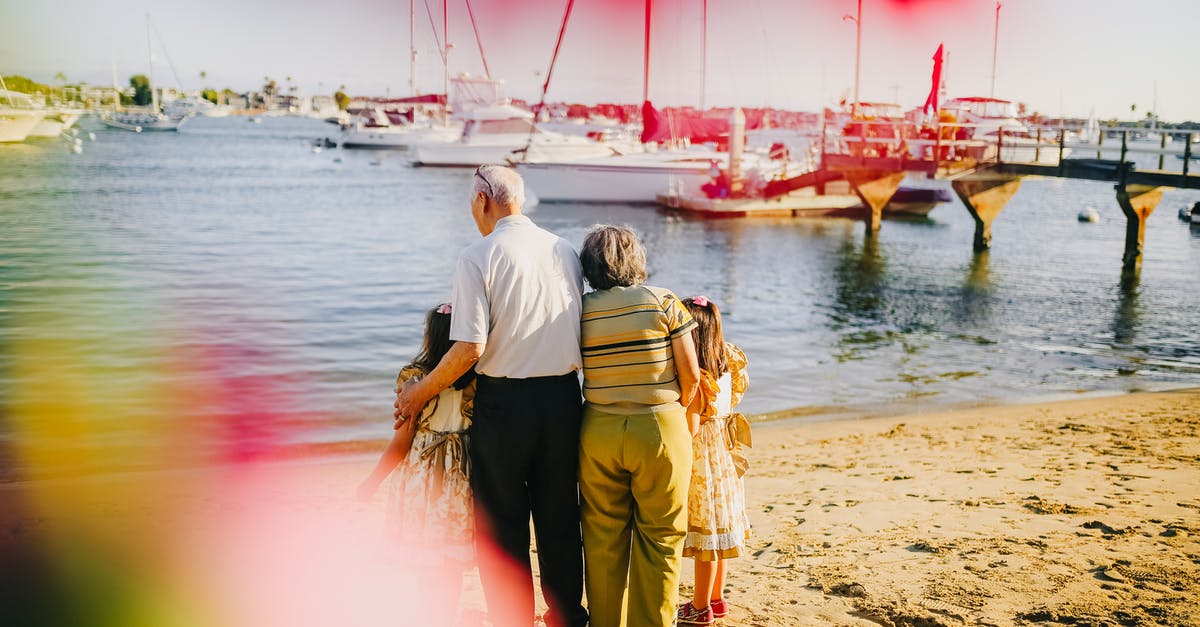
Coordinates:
[628,364]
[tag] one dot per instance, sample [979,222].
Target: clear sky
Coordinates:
[1057,56]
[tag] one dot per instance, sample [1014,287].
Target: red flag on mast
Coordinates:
[932,100]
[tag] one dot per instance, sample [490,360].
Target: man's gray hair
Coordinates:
[503,185]
[612,256]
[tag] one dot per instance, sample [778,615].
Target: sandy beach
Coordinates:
[1083,512]
[1080,512]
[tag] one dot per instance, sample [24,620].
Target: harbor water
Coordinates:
[231,263]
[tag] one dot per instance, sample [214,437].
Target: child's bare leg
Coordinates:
[718,590]
[706,576]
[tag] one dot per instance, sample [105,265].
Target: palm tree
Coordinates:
[61,78]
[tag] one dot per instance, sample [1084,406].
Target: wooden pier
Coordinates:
[985,180]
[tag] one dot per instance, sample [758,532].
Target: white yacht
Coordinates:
[15,124]
[373,132]
[626,178]
[18,116]
[55,120]
[491,133]
[989,116]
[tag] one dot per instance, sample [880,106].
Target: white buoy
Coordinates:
[1089,215]
[317,149]
[91,136]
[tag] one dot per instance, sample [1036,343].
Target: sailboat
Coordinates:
[492,127]
[375,129]
[142,119]
[635,176]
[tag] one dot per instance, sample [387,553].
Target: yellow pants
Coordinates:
[633,485]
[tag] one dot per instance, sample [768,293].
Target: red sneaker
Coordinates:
[718,608]
[689,615]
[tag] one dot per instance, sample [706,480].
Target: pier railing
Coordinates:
[948,148]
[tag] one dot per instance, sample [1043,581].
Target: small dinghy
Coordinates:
[1089,214]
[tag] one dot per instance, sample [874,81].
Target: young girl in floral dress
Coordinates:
[430,512]
[717,523]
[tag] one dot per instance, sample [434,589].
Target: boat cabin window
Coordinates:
[994,109]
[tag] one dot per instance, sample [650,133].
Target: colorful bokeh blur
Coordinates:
[146,477]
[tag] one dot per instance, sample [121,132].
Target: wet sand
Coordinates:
[1081,512]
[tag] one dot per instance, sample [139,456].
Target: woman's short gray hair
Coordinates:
[503,185]
[612,256]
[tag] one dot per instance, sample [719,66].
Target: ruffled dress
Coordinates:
[717,523]
[430,512]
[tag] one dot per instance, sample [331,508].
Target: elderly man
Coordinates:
[516,305]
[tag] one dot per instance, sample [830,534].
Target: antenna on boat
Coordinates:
[857,19]
[995,46]
[703,52]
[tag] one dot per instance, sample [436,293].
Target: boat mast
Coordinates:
[7,93]
[857,19]
[995,45]
[412,46]
[116,90]
[445,61]
[857,54]
[646,59]
[703,53]
[150,56]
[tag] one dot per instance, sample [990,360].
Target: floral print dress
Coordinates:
[430,509]
[717,523]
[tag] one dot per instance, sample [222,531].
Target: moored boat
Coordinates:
[993,121]
[139,120]
[915,201]
[57,120]
[15,124]
[490,133]
[624,178]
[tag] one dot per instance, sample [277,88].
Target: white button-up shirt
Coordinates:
[520,291]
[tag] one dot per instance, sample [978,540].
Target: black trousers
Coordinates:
[525,461]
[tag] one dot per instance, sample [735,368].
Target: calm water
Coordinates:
[232,260]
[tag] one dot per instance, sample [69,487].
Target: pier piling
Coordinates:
[985,196]
[1137,203]
[875,188]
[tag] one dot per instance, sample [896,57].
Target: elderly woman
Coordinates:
[635,451]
